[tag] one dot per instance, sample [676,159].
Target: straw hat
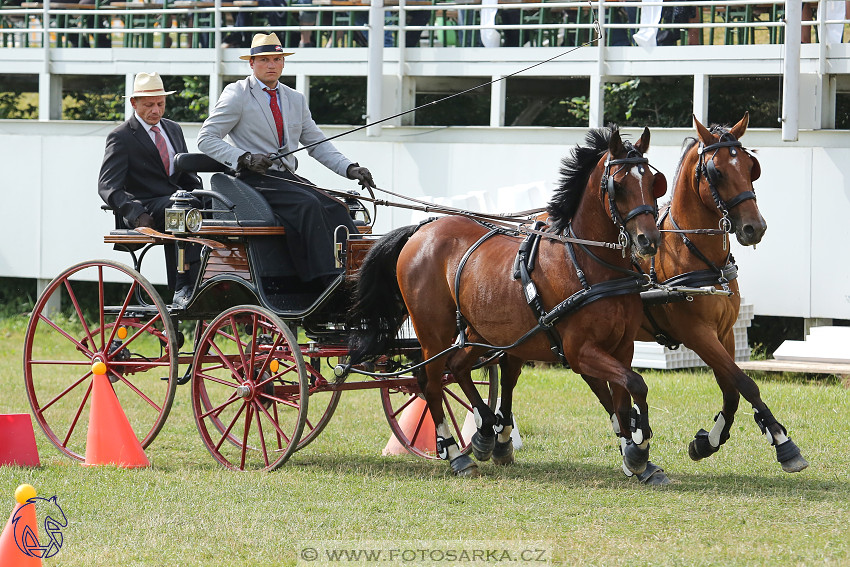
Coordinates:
[148,84]
[263,44]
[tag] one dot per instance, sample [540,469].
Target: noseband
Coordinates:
[705,167]
[633,157]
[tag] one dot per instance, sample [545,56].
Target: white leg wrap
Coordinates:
[477,416]
[637,435]
[615,424]
[780,438]
[444,431]
[714,434]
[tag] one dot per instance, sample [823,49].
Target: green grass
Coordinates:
[566,490]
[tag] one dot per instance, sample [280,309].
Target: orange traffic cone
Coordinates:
[110,440]
[17,441]
[425,439]
[25,529]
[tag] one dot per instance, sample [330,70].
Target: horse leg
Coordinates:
[431,384]
[503,451]
[733,383]
[596,363]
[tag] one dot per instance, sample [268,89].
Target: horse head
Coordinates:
[631,189]
[724,175]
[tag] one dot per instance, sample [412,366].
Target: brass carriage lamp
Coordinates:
[181,217]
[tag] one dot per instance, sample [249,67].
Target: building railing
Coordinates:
[432,23]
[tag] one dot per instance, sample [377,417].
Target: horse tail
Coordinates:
[379,309]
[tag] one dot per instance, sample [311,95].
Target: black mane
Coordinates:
[575,170]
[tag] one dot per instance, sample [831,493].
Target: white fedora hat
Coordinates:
[263,44]
[148,84]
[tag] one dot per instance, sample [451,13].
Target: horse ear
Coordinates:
[755,172]
[741,127]
[615,144]
[704,135]
[643,144]
[659,185]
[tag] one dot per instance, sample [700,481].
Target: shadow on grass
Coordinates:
[779,484]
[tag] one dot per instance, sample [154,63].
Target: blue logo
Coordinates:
[54,520]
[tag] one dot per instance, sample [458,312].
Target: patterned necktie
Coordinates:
[162,148]
[278,117]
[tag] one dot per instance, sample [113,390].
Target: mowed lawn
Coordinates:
[565,495]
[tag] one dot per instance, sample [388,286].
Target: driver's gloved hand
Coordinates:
[361,174]
[144,219]
[257,163]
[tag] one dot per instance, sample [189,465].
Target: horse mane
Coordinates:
[575,170]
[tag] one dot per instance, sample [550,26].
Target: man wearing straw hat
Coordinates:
[261,117]
[137,177]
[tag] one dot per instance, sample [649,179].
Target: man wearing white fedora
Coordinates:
[260,117]
[137,177]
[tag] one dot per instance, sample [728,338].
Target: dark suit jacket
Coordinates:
[132,178]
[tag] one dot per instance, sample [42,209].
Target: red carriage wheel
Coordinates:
[455,404]
[110,312]
[249,389]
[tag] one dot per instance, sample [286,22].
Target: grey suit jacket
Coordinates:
[243,115]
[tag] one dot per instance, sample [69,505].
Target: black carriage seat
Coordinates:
[271,262]
[247,206]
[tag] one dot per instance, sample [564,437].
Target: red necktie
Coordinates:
[278,117]
[162,148]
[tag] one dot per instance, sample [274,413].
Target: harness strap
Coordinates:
[523,266]
[696,251]
[461,321]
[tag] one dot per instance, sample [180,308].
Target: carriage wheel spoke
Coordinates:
[226,432]
[141,394]
[262,437]
[77,416]
[65,391]
[120,315]
[218,409]
[273,421]
[79,311]
[248,414]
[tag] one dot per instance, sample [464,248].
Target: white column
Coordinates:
[701,97]
[49,96]
[302,85]
[54,304]
[497,101]
[791,73]
[374,79]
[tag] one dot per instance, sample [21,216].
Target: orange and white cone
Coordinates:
[25,528]
[111,439]
[425,439]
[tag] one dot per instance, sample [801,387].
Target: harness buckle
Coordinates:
[623,239]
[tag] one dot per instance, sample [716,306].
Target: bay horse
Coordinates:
[455,278]
[713,189]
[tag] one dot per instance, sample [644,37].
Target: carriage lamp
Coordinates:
[181,216]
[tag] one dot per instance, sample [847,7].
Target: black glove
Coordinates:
[361,174]
[144,219]
[258,163]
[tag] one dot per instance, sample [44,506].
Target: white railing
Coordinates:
[24,26]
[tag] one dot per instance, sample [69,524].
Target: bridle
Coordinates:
[608,187]
[706,168]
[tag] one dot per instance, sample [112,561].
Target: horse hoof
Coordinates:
[653,475]
[482,447]
[789,456]
[503,453]
[700,447]
[635,458]
[464,466]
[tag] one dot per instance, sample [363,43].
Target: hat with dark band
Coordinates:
[148,84]
[263,45]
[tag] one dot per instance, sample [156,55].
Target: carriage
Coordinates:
[256,347]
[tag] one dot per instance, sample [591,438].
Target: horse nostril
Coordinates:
[643,241]
[748,230]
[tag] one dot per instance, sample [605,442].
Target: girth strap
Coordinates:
[461,321]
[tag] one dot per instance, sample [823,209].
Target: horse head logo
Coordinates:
[26,536]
